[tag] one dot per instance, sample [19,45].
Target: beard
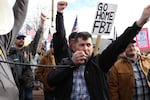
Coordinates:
[131,55]
[20,45]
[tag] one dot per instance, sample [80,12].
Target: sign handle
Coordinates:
[97,45]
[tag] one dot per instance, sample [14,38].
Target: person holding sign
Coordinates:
[11,20]
[84,76]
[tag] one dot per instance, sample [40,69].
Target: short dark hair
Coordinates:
[72,35]
[83,35]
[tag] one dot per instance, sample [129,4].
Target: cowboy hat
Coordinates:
[6,17]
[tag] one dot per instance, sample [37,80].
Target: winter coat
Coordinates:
[121,78]
[22,73]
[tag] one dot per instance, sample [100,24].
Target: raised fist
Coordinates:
[61,5]
[43,19]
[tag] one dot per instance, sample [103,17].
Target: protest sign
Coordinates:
[104,18]
[142,39]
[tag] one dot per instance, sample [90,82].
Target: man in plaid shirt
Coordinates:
[128,76]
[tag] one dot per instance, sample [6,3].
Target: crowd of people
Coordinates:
[69,70]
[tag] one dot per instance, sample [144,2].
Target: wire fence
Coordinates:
[36,65]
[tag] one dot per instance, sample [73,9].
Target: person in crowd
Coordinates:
[83,76]
[23,74]
[42,72]
[8,88]
[41,51]
[60,43]
[128,78]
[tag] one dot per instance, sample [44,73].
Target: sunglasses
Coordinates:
[19,38]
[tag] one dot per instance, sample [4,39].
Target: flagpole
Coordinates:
[52,15]
[115,34]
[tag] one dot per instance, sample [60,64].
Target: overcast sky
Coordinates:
[128,11]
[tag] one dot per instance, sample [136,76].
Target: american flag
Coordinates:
[49,38]
[30,31]
[75,27]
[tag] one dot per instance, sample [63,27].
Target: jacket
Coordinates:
[29,52]
[42,72]
[8,88]
[22,73]
[95,69]
[24,55]
[121,78]
[32,47]
[60,44]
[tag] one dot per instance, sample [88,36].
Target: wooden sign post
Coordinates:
[97,45]
[103,22]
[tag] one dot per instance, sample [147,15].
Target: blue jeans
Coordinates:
[28,93]
[48,95]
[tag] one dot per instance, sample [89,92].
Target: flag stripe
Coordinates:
[29,30]
[49,38]
[75,25]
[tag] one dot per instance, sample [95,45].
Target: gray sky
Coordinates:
[128,11]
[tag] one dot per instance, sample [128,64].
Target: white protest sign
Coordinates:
[104,18]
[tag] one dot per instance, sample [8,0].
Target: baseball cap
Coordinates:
[72,35]
[6,17]
[20,34]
